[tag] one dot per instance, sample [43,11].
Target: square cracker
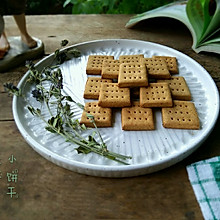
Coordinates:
[171,63]
[92,87]
[136,118]
[157,68]
[182,115]
[102,116]
[113,96]
[131,58]
[178,88]
[132,75]
[156,95]
[110,69]
[94,63]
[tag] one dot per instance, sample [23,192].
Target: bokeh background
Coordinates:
[92,6]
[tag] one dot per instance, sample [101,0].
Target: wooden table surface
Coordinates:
[47,191]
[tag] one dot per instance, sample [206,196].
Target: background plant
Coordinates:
[39,7]
[113,6]
[92,6]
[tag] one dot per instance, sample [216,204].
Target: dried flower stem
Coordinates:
[64,117]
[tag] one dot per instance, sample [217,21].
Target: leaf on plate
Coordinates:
[82,150]
[50,129]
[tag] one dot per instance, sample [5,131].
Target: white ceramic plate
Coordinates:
[150,150]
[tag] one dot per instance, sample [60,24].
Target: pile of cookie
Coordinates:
[137,85]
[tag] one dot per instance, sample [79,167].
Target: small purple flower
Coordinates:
[37,95]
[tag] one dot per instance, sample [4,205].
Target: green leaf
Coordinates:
[32,110]
[56,52]
[55,122]
[204,16]
[68,98]
[212,38]
[73,52]
[38,111]
[11,89]
[92,140]
[213,11]
[50,121]
[194,10]
[83,127]
[207,15]
[82,150]
[71,114]
[128,6]
[50,129]
[94,133]
[66,3]
[67,107]
[75,1]
[64,43]
[91,117]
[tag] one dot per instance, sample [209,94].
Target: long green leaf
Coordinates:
[214,24]
[214,38]
[204,16]
[194,10]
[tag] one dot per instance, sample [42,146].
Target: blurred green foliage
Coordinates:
[113,6]
[92,6]
[39,7]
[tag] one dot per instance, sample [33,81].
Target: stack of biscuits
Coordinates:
[137,85]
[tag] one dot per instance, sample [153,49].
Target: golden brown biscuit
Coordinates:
[178,88]
[110,69]
[102,116]
[113,96]
[171,63]
[182,115]
[156,95]
[136,118]
[130,58]
[92,87]
[132,75]
[157,68]
[94,64]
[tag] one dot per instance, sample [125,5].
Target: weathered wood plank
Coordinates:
[52,29]
[11,77]
[48,191]
[5,107]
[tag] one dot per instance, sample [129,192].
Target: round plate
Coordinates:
[150,150]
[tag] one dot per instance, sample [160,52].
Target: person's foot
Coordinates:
[29,41]
[4,45]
